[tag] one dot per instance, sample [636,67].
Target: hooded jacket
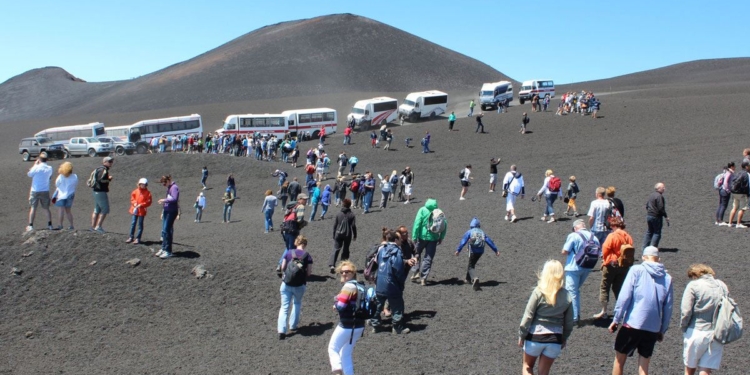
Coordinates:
[477,250]
[391,271]
[141,197]
[645,300]
[420,229]
[345,217]
[326,198]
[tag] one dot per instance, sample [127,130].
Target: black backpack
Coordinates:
[295,273]
[739,184]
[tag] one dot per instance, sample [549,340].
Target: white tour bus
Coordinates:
[375,111]
[292,121]
[493,93]
[423,104]
[541,87]
[63,134]
[142,132]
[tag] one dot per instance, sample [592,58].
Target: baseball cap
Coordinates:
[302,196]
[143,181]
[650,251]
[108,159]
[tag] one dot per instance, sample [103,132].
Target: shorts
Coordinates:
[101,202]
[37,197]
[700,350]
[464,183]
[493,178]
[67,202]
[630,339]
[407,189]
[510,202]
[739,202]
[547,349]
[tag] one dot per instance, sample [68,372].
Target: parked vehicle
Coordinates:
[373,112]
[143,131]
[32,147]
[62,134]
[121,146]
[293,121]
[423,104]
[541,87]
[493,93]
[90,146]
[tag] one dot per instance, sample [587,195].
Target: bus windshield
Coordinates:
[409,102]
[487,93]
[228,126]
[358,111]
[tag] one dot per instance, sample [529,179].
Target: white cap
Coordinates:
[143,181]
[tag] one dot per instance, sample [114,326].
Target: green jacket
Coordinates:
[420,230]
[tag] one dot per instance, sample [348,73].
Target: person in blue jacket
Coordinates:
[315,195]
[389,287]
[476,239]
[325,201]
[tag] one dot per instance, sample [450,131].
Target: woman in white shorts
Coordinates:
[699,302]
[547,321]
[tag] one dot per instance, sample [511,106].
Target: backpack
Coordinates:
[310,169]
[394,181]
[295,273]
[554,184]
[462,174]
[437,221]
[354,186]
[343,230]
[366,306]
[589,253]
[739,184]
[290,223]
[422,142]
[476,237]
[371,264]
[91,182]
[610,213]
[719,181]
[727,321]
[627,256]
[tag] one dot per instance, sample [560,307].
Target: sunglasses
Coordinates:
[344,272]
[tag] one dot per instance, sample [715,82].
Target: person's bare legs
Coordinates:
[49,216]
[32,214]
[740,213]
[68,213]
[61,216]
[528,364]
[94,219]
[643,365]
[545,364]
[619,363]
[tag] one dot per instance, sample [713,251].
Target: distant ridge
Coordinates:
[328,54]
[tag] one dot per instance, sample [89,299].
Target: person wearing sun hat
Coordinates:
[643,309]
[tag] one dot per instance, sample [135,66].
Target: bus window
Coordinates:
[328,116]
[99,131]
[304,119]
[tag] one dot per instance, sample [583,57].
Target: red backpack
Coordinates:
[554,184]
[354,187]
[310,169]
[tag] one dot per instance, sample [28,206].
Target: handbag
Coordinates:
[566,200]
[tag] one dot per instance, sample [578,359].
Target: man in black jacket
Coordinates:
[294,190]
[344,232]
[655,211]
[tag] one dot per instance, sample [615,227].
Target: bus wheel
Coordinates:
[316,134]
[413,118]
[141,149]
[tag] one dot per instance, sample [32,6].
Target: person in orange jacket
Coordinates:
[140,199]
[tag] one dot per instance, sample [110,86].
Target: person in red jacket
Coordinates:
[140,199]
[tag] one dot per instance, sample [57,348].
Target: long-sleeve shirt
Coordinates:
[645,300]
[345,303]
[171,202]
[539,312]
[141,198]
[656,206]
[269,204]
[66,186]
[545,188]
[699,302]
[40,175]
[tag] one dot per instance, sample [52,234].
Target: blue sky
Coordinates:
[115,40]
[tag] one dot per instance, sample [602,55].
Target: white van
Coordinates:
[375,111]
[493,93]
[541,87]
[423,104]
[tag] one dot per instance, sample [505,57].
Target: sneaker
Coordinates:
[544,218]
[332,270]
[99,230]
[507,217]
[423,282]
[723,224]
[129,240]
[71,228]
[513,219]
[475,284]
[29,228]
[136,241]
[462,199]
[374,330]
[402,331]
[282,336]
[551,219]
[601,315]
[159,253]
[165,255]
[740,226]
[49,227]
[467,281]
[492,191]
[415,277]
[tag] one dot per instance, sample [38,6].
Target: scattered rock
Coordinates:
[29,334]
[30,241]
[26,255]
[134,262]
[16,271]
[200,272]
[93,262]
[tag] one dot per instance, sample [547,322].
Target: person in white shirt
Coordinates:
[550,194]
[40,175]
[513,186]
[598,215]
[66,184]
[465,180]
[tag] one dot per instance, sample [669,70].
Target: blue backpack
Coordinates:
[589,253]
[366,306]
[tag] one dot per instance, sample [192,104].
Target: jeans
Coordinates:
[162,148]
[290,295]
[167,230]
[137,221]
[396,304]
[227,213]
[573,282]
[289,241]
[314,210]
[347,139]
[341,346]
[324,209]
[340,245]
[368,200]
[426,147]
[384,198]
[471,111]
[470,271]
[268,214]
[429,247]
[351,167]
[479,125]
[653,233]
[198,213]
[601,236]
[723,203]
[203,181]
[549,210]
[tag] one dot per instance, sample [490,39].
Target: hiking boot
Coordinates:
[282,336]
[475,284]
[402,331]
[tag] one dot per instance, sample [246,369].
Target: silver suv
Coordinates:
[120,145]
[79,146]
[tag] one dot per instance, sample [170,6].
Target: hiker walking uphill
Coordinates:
[655,211]
[476,239]
[617,258]
[551,189]
[428,231]
[293,222]
[582,250]
[513,186]
[344,232]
